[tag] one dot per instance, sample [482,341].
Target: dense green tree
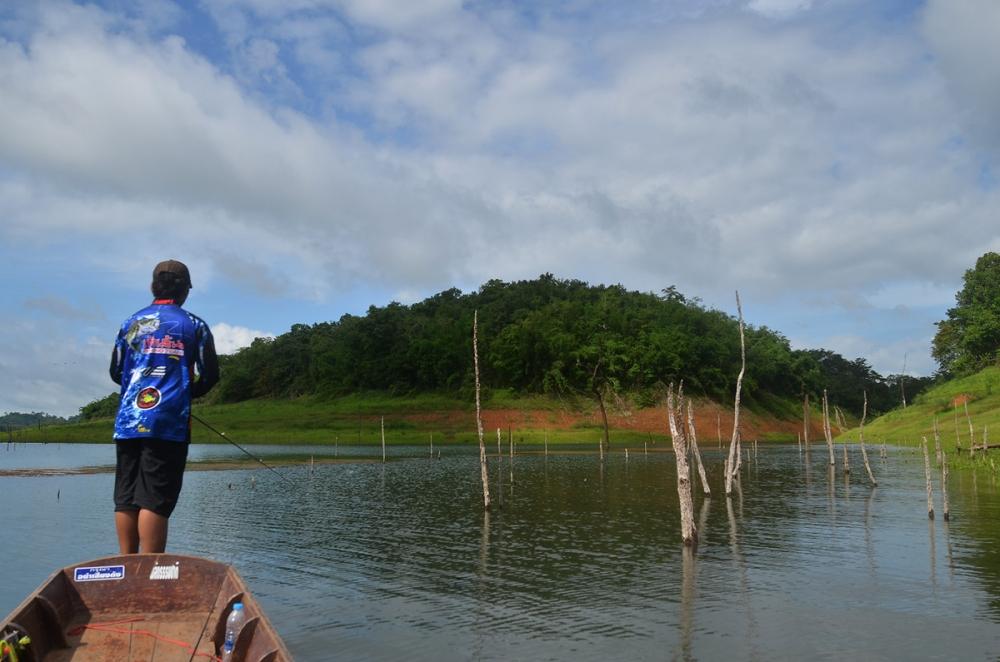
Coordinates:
[969,338]
[545,335]
[14,420]
[102,408]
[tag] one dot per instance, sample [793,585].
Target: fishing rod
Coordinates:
[262,462]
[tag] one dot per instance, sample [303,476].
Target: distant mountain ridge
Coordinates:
[17,420]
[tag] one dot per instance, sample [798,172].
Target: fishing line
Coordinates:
[262,462]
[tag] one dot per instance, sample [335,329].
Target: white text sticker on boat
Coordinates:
[165,572]
[99,573]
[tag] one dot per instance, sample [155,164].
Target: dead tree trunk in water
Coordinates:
[696,452]
[927,476]
[805,422]
[689,534]
[945,509]
[937,442]
[510,441]
[827,432]
[499,472]
[732,463]
[841,419]
[972,432]
[483,470]
[861,440]
[958,435]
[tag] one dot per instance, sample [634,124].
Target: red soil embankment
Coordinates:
[711,421]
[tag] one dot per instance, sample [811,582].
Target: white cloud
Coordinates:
[60,307]
[457,143]
[963,34]
[229,337]
[705,146]
[887,357]
[779,8]
[57,375]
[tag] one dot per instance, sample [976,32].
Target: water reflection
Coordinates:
[933,553]
[869,541]
[688,558]
[398,561]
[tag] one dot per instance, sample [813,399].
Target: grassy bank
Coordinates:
[357,420]
[945,403]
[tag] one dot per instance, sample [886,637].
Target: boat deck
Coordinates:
[141,607]
[125,637]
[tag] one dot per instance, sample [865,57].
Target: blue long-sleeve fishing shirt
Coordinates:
[163,357]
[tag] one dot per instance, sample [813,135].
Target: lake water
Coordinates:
[398,561]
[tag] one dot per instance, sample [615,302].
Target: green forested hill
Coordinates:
[548,336]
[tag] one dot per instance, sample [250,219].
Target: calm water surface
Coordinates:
[583,561]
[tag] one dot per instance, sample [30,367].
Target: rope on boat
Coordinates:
[109,627]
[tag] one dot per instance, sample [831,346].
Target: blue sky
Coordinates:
[834,160]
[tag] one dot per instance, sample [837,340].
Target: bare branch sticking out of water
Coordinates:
[841,419]
[805,422]
[694,449]
[861,441]
[484,472]
[689,534]
[827,432]
[510,442]
[937,442]
[972,432]
[927,475]
[733,462]
[945,508]
[499,472]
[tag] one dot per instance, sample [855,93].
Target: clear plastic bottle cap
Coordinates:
[237,606]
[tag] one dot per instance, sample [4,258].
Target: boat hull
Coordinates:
[155,607]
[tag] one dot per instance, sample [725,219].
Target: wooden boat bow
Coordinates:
[155,607]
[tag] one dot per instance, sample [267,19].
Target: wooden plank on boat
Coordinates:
[170,637]
[141,645]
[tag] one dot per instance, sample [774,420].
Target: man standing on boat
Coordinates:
[163,357]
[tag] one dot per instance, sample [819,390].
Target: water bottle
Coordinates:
[233,625]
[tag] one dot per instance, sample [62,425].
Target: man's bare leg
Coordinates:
[127,526]
[152,532]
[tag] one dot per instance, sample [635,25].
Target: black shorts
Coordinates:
[149,474]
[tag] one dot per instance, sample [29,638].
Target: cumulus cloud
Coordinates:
[963,35]
[330,145]
[229,337]
[57,375]
[779,8]
[62,308]
[766,134]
